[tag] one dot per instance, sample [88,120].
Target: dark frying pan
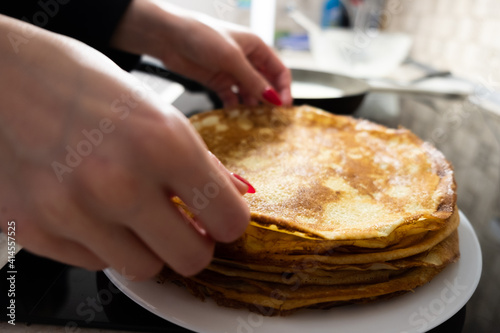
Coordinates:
[331,92]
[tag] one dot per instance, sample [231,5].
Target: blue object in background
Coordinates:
[297,42]
[332,14]
[243,4]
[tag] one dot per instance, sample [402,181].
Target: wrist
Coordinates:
[146,28]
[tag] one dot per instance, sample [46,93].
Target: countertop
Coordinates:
[469,136]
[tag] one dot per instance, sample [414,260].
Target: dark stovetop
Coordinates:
[48,292]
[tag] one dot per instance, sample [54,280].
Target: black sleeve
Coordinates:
[90,21]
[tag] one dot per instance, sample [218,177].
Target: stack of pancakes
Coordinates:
[346,211]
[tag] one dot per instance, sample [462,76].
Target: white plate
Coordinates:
[426,308]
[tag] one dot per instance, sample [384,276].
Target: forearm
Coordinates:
[150,26]
[147,27]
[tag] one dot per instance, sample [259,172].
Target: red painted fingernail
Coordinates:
[272,96]
[251,189]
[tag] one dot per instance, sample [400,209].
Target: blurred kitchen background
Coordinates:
[457,36]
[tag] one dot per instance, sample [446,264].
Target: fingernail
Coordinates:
[251,189]
[272,96]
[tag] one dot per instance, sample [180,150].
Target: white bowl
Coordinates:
[362,54]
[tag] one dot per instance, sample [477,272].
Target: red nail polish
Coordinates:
[272,96]
[251,189]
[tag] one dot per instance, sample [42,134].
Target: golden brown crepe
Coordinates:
[270,296]
[317,257]
[438,256]
[346,211]
[334,177]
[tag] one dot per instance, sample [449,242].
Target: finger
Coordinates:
[215,201]
[268,63]
[282,83]
[258,69]
[228,97]
[248,99]
[233,65]
[219,82]
[121,249]
[112,243]
[50,202]
[250,80]
[185,168]
[224,86]
[170,235]
[60,249]
[107,190]
[242,186]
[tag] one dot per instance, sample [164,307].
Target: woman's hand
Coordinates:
[90,159]
[231,61]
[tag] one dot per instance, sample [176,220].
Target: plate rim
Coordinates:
[137,292]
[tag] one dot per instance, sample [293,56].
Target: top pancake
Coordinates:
[327,176]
